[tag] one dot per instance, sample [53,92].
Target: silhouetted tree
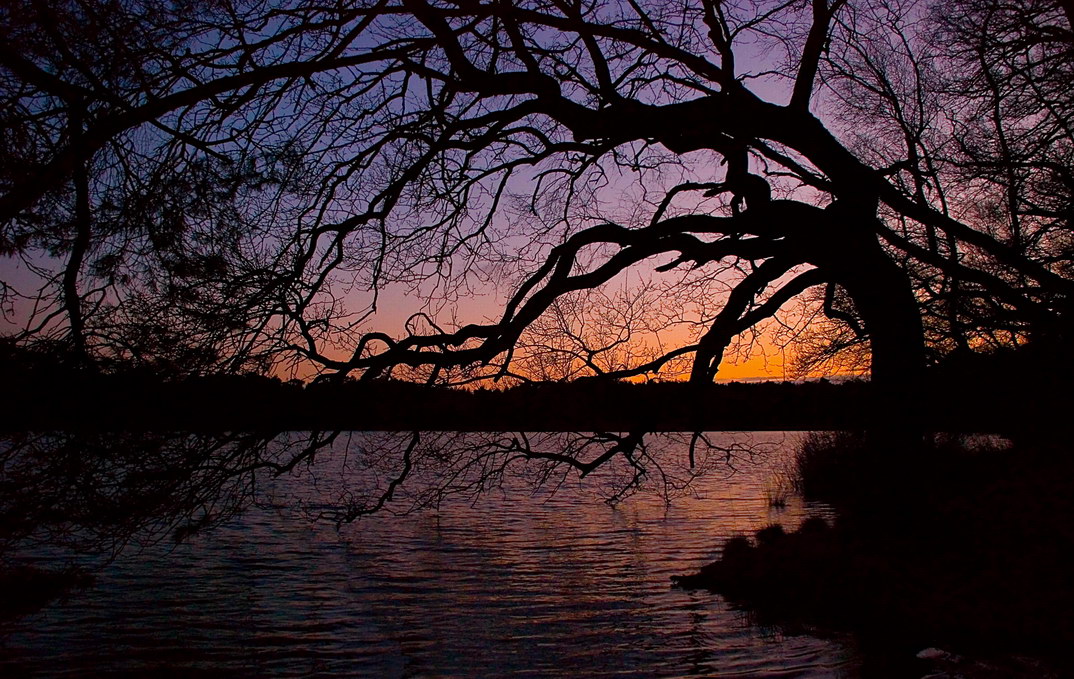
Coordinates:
[231,185]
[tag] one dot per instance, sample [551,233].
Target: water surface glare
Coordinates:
[515,585]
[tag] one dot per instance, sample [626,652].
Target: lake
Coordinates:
[513,583]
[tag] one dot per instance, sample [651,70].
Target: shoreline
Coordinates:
[247,403]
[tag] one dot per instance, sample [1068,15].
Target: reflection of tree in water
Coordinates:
[85,497]
[92,494]
[407,472]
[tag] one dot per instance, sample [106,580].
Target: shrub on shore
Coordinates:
[962,553]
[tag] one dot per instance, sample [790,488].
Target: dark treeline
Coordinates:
[999,392]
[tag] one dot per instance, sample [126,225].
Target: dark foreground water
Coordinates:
[515,585]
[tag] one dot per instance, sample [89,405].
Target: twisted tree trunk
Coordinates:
[884,298]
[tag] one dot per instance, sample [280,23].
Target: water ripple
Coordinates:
[513,586]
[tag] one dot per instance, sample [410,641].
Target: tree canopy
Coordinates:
[237,186]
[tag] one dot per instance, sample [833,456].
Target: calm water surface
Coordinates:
[516,585]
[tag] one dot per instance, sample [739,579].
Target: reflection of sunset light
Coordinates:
[572,527]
